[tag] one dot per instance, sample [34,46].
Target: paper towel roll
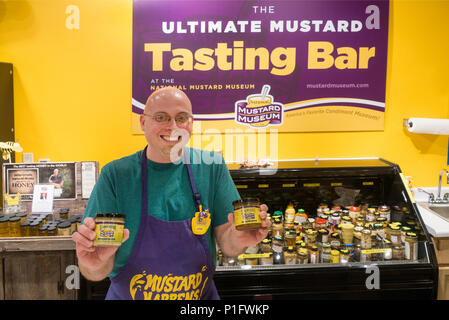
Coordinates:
[428,125]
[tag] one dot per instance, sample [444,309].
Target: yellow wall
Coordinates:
[72,88]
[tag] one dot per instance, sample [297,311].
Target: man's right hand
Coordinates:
[95,262]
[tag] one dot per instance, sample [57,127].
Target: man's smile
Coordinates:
[174,138]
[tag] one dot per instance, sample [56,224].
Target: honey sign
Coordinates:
[21,181]
[259,110]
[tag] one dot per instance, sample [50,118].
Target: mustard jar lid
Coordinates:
[64,224]
[14,219]
[245,200]
[110,215]
[26,223]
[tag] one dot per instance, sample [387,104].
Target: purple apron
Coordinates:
[168,261]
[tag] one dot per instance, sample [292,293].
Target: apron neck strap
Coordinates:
[196,195]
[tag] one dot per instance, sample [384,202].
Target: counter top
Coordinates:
[437,227]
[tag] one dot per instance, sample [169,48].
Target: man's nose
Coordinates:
[172,123]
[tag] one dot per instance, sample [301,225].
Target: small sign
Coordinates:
[288,185]
[43,196]
[336,184]
[88,178]
[311,185]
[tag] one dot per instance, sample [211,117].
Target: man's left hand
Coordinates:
[247,238]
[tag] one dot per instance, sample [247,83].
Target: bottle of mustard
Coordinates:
[301,216]
[290,212]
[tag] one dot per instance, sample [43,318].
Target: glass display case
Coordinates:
[341,229]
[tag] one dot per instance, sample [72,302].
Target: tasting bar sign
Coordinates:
[297,66]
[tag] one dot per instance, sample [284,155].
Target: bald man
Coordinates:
[175,205]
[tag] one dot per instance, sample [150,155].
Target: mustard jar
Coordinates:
[246,214]
[51,230]
[34,228]
[25,228]
[411,246]
[22,216]
[398,252]
[64,228]
[43,231]
[344,256]
[303,256]
[64,213]
[290,238]
[335,256]
[4,228]
[265,246]
[385,212]
[314,254]
[290,256]
[14,226]
[365,241]
[267,259]
[109,229]
[326,253]
[395,235]
[277,229]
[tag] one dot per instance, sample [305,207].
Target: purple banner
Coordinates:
[310,54]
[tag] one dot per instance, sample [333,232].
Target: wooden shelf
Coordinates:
[53,243]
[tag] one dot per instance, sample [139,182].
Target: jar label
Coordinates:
[247,215]
[395,239]
[108,233]
[411,250]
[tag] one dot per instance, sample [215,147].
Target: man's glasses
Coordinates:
[163,118]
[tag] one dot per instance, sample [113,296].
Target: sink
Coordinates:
[441,210]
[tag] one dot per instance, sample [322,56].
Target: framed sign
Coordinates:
[22,177]
[297,66]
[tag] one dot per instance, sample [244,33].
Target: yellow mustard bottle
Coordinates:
[290,212]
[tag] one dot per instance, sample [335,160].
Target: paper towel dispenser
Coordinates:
[427,125]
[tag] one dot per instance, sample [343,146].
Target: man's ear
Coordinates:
[142,122]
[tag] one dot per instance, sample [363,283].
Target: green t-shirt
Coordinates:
[170,196]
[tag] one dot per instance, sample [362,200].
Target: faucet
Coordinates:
[431,195]
[438,199]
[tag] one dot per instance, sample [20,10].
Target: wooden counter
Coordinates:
[35,268]
[442,252]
